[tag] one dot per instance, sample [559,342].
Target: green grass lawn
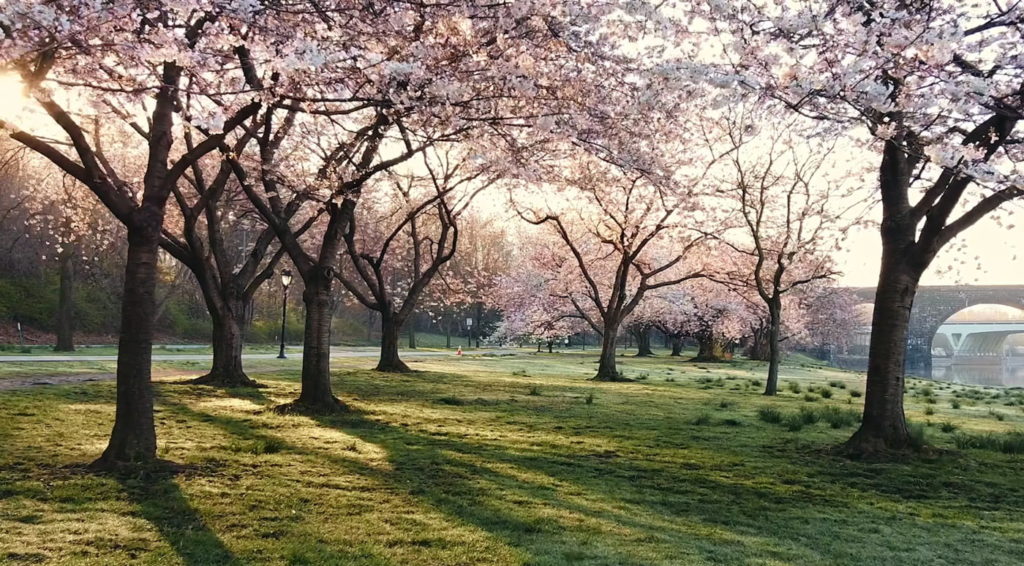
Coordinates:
[514,460]
[111,350]
[424,340]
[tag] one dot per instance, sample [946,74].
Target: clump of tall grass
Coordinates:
[1008,442]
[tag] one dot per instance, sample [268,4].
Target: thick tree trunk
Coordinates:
[133,439]
[677,346]
[228,318]
[643,341]
[884,426]
[315,396]
[774,353]
[709,348]
[390,328]
[606,369]
[66,301]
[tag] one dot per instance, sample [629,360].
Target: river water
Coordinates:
[997,371]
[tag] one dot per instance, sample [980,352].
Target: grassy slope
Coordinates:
[503,461]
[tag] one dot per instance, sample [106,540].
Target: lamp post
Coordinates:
[286,279]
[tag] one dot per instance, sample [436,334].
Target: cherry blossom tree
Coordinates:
[532,303]
[84,64]
[468,282]
[58,213]
[711,313]
[405,233]
[613,235]
[412,77]
[939,87]
[791,213]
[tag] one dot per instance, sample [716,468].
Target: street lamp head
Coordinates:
[286,277]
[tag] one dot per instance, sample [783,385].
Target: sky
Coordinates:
[992,255]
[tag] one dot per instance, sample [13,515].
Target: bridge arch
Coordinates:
[934,304]
[979,331]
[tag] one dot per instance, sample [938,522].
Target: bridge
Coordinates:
[934,304]
[975,338]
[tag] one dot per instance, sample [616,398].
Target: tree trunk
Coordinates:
[884,426]
[479,317]
[606,369]
[759,348]
[774,353]
[133,439]
[316,396]
[228,318]
[447,334]
[390,328]
[643,341]
[709,348]
[66,301]
[677,346]
[412,334]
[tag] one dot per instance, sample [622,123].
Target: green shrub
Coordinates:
[837,384]
[810,398]
[793,386]
[725,404]
[808,415]
[998,416]
[948,426]
[839,418]
[793,422]
[854,393]
[918,437]
[589,399]
[769,415]
[258,446]
[929,410]
[955,403]
[534,390]
[450,400]
[825,393]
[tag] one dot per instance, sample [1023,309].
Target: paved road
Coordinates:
[335,353]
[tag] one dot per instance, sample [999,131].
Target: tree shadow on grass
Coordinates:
[161,502]
[576,505]
[545,507]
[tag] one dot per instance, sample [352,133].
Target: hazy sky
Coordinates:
[993,254]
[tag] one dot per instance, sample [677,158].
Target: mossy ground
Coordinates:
[509,460]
